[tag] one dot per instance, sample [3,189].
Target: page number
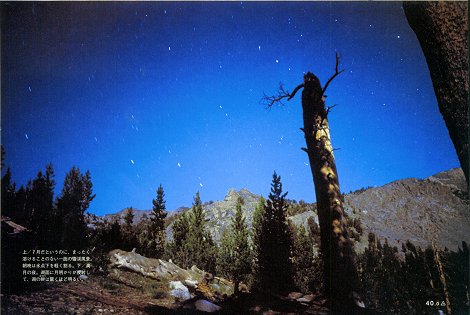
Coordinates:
[435,303]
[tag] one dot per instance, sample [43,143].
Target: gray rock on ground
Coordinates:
[206,306]
[179,290]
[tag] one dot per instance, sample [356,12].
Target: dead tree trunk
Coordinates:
[442,30]
[341,280]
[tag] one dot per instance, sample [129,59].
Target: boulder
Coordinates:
[306,299]
[179,290]
[190,284]
[206,306]
[199,281]
[295,295]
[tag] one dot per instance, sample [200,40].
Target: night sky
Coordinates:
[151,93]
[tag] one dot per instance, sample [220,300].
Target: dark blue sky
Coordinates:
[148,93]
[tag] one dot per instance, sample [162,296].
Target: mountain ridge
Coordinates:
[420,210]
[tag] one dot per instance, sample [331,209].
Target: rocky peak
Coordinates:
[232,195]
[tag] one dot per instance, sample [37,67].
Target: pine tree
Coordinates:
[307,275]
[39,204]
[234,258]
[274,243]
[8,196]
[74,200]
[157,231]
[180,230]
[2,156]
[143,238]
[199,245]
[175,248]
[225,257]
[19,212]
[128,229]
[257,239]
[129,218]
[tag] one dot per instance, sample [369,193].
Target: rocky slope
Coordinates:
[219,213]
[422,211]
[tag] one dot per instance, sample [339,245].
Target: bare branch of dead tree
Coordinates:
[327,112]
[330,107]
[270,100]
[337,72]
[295,91]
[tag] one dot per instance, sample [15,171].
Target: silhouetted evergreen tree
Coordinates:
[257,238]
[174,249]
[412,284]
[104,237]
[307,266]
[234,256]
[274,243]
[8,196]
[74,200]
[381,277]
[456,267]
[2,156]
[314,230]
[113,236]
[199,246]
[225,257]
[19,206]
[39,205]
[128,231]
[192,243]
[129,218]
[180,230]
[142,232]
[157,230]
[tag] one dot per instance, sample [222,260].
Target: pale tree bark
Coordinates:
[341,280]
[442,30]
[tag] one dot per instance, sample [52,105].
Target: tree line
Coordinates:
[46,221]
[54,222]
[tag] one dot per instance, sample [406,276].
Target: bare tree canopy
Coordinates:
[282,94]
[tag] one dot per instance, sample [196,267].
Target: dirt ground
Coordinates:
[96,295]
[102,295]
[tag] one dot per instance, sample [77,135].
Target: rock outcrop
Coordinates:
[183,284]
